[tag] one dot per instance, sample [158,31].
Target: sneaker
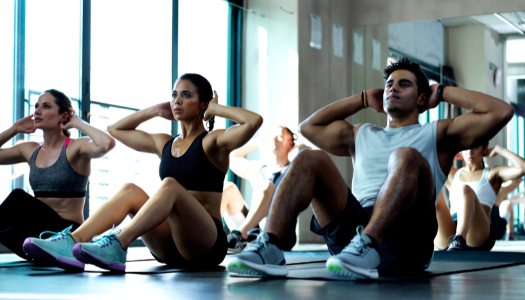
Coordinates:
[235,241]
[457,243]
[104,252]
[55,250]
[357,260]
[259,258]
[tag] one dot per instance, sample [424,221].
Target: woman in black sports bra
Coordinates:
[180,223]
[59,170]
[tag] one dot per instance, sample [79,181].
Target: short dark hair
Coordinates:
[64,104]
[203,88]
[293,135]
[405,63]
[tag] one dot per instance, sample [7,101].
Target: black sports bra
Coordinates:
[193,170]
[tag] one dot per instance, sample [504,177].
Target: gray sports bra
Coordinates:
[58,180]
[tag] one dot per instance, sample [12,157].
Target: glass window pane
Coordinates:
[122,164]
[7,11]
[203,44]
[52,46]
[131,52]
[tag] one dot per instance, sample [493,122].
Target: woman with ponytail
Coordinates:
[58,171]
[180,223]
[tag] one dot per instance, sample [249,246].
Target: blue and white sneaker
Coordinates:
[357,260]
[259,258]
[104,252]
[55,250]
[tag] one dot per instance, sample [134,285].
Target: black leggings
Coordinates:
[23,216]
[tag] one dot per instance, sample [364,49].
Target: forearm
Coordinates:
[243,151]
[134,120]
[475,102]
[7,135]
[515,159]
[338,110]
[99,138]
[239,115]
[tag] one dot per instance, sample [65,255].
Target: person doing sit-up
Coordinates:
[473,191]
[397,171]
[264,177]
[59,170]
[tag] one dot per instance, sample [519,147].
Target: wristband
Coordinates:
[440,92]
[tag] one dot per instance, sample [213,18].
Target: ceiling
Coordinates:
[492,21]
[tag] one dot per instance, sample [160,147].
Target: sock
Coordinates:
[234,221]
[372,241]
[275,240]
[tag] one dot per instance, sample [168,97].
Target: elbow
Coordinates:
[256,123]
[304,128]
[508,113]
[111,130]
[111,144]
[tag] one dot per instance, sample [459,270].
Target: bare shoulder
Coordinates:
[27,148]
[160,140]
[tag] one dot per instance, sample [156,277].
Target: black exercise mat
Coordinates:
[444,263]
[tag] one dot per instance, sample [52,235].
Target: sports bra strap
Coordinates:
[67,141]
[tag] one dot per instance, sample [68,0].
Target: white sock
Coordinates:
[233,222]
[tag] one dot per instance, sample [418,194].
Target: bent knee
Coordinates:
[310,158]
[467,190]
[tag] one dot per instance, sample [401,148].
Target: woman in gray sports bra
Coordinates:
[58,171]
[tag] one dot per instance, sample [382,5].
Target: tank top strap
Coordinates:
[67,141]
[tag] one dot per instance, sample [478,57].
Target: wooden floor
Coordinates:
[27,283]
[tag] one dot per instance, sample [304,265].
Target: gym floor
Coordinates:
[51,283]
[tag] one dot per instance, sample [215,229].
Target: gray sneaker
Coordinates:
[259,258]
[358,260]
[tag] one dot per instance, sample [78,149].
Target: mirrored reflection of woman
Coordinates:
[473,191]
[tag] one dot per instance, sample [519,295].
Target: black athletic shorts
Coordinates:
[408,246]
[497,223]
[23,216]
[489,243]
[208,260]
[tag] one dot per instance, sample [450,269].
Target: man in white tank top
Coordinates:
[397,171]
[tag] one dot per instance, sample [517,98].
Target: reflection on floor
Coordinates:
[50,283]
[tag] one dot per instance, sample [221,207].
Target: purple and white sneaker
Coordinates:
[55,250]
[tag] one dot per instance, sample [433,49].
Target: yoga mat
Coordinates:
[444,263]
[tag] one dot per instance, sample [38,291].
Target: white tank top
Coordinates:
[373,148]
[482,188]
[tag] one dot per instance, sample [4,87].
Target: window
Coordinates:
[6,77]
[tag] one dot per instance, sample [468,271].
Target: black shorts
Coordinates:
[408,246]
[208,260]
[23,216]
[497,223]
[489,243]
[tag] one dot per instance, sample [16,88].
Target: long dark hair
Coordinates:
[64,104]
[204,89]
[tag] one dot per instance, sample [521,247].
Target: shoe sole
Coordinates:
[39,255]
[89,258]
[236,250]
[336,266]
[239,266]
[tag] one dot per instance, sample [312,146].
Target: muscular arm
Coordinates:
[505,173]
[487,116]
[327,128]
[125,130]
[234,137]
[100,143]
[20,152]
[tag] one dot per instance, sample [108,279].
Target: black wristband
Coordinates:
[440,92]
[363,98]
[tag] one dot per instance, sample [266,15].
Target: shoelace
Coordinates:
[258,245]
[106,239]
[57,236]
[456,240]
[356,246]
